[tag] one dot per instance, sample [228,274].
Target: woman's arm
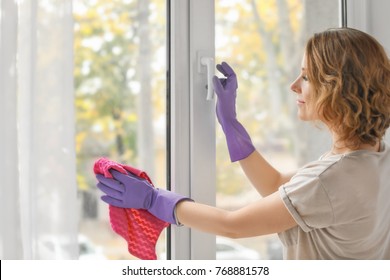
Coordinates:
[266,216]
[264,177]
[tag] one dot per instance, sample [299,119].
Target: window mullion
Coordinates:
[192,119]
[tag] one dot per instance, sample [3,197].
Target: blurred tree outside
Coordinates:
[120,86]
[119,47]
[262,40]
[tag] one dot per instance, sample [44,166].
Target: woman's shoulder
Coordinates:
[352,162]
[367,161]
[318,167]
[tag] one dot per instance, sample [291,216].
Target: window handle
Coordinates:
[209,63]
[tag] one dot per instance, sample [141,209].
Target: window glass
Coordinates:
[263,41]
[120,85]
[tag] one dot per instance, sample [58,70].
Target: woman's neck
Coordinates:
[339,147]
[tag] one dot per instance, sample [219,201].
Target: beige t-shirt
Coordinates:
[341,204]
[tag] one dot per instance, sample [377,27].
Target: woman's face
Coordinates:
[304,94]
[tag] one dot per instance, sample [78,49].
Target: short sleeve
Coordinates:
[307,201]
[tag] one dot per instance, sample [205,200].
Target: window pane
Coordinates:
[263,40]
[120,69]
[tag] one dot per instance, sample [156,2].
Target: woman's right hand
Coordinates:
[226,90]
[238,141]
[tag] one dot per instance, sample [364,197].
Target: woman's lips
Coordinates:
[300,102]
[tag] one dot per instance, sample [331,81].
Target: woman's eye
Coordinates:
[304,77]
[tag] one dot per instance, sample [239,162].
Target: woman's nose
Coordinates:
[295,87]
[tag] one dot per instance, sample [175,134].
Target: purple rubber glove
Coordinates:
[238,140]
[126,191]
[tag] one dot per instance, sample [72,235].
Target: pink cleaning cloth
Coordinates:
[137,226]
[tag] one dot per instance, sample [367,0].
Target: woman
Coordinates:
[334,208]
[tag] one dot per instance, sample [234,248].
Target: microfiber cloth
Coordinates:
[137,226]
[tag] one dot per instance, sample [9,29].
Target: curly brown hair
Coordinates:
[350,73]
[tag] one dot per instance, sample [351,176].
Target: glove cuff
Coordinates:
[164,205]
[239,143]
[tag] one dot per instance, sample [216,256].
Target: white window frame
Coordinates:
[358,14]
[12,248]
[371,17]
[192,121]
